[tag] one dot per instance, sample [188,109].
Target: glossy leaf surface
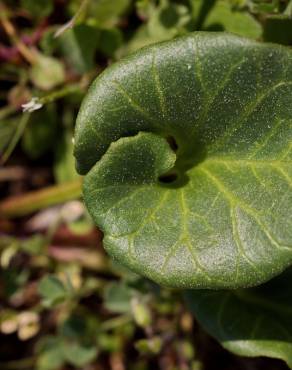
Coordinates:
[249,322]
[225,222]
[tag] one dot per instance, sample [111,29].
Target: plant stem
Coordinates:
[58,94]
[28,203]
[19,131]
[72,21]
[26,52]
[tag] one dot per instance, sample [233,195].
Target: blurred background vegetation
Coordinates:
[63,303]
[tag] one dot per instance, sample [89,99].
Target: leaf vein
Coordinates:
[187,236]
[158,86]
[132,102]
[245,114]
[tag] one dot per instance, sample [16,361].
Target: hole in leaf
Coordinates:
[172,143]
[168,178]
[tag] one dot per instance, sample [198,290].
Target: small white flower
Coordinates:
[32,105]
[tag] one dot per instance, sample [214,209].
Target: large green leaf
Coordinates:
[225,222]
[249,322]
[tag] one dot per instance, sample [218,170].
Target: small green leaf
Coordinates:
[141,312]
[223,17]
[107,13]
[79,46]
[51,355]
[149,346]
[34,245]
[78,327]
[52,290]
[117,297]
[55,351]
[166,21]
[79,354]
[251,322]
[47,72]
[109,342]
